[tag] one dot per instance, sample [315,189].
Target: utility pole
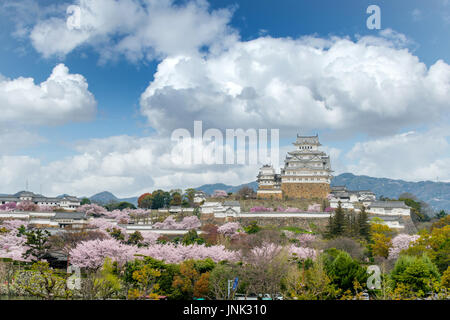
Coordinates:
[230,283]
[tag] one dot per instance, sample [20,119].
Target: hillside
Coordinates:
[436,194]
[107,197]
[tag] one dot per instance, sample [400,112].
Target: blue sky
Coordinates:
[95,142]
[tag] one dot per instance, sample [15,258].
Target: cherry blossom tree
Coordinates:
[261,209]
[170,223]
[92,210]
[27,206]
[107,226]
[302,253]
[314,207]
[172,253]
[150,238]
[121,216]
[91,254]
[11,206]
[306,239]
[229,228]
[12,244]
[45,208]
[399,243]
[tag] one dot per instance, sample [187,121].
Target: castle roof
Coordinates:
[311,140]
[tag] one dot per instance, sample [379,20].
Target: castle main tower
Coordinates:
[307,170]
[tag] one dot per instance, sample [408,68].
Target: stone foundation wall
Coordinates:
[278,196]
[300,222]
[305,190]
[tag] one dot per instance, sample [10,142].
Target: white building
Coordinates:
[349,199]
[199,196]
[389,208]
[66,202]
[208,207]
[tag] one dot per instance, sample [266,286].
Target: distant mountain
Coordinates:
[436,194]
[210,188]
[107,197]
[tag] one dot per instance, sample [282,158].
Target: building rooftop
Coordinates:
[389,204]
[232,203]
[70,215]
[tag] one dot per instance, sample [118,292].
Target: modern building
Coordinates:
[65,202]
[306,173]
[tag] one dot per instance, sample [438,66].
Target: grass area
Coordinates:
[296,230]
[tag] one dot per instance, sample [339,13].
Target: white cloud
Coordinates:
[62,98]
[124,165]
[365,86]
[136,29]
[412,156]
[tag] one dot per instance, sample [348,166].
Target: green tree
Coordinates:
[441,214]
[107,283]
[252,227]
[190,194]
[363,224]
[37,243]
[337,223]
[310,284]
[135,238]
[343,270]
[85,201]
[192,237]
[145,201]
[161,199]
[415,273]
[44,282]
[176,199]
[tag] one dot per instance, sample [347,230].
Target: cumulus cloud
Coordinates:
[152,28]
[369,85]
[413,156]
[63,97]
[124,165]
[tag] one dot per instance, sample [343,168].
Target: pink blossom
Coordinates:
[191,222]
[121,216]
[170,223]
[399,243]
[150,238]
[12,245]
[229,228]
[306,239]
[302,253]
[107,226]
[92,210]
[261,209]
[314,207]
[11,206]
[27,206]
[91,254]
[172,253]
[220,193]
[45,208]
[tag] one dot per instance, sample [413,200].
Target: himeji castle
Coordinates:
[306,174]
